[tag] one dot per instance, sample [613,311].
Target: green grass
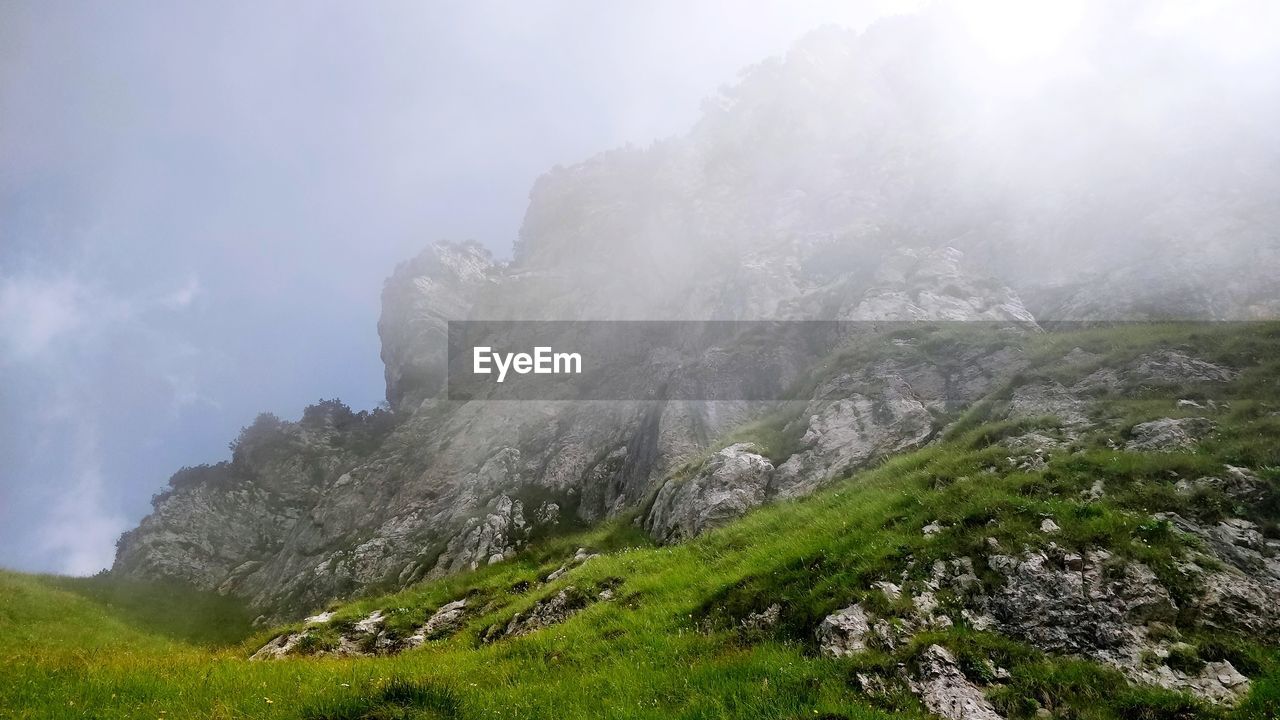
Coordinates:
[172,610]
[670,645]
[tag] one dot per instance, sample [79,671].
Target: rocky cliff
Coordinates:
[855,179]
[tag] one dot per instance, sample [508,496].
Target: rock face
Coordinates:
[217,525]
[871,209]
[849,421]
[1238,484]
[1065,603]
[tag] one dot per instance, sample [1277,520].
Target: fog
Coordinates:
[198,205]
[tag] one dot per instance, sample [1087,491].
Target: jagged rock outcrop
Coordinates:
[216,526]
[453,486]
[579,557]
[445,621]
[1160,368]
[485,540]
[1093,605]
[1072,604]
[850,421]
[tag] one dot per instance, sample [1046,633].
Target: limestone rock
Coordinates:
[946,692]
[445,621]
[440,284]
[1161,368]
[1047,399]
[931,285]
[763,620]
[278,647]
[1168,434]
[1237,483]
[844,632]
[484,541]
[549,611]
[733,481]
[852,420]
[581,556]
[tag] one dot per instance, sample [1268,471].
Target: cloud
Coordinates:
[35,314]
[185,295]
[185,392]
[42,315]
[77,354]
[79,531]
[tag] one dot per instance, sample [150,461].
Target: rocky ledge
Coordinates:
[1089,604]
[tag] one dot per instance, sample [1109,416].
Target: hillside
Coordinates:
[1100,524]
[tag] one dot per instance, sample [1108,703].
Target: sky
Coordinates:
[199,203]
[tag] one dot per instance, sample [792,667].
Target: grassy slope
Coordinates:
[668,647]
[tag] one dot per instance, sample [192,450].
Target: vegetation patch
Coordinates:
[398,699]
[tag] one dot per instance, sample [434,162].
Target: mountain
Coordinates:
[1093,537]
[884,176]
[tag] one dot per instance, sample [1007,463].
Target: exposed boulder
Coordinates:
[1047,400]
[1102,609]
[445,621]
[731,482]
[1239,484]
[1032,442]
[365,637]
[845,632]
[1238,573]
[763,620]
[1097,606]
[485,540]
[1161,368]
[1063,602]
[946,692]
[278,647]
[579,557]
[1168,434]
[546,612]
